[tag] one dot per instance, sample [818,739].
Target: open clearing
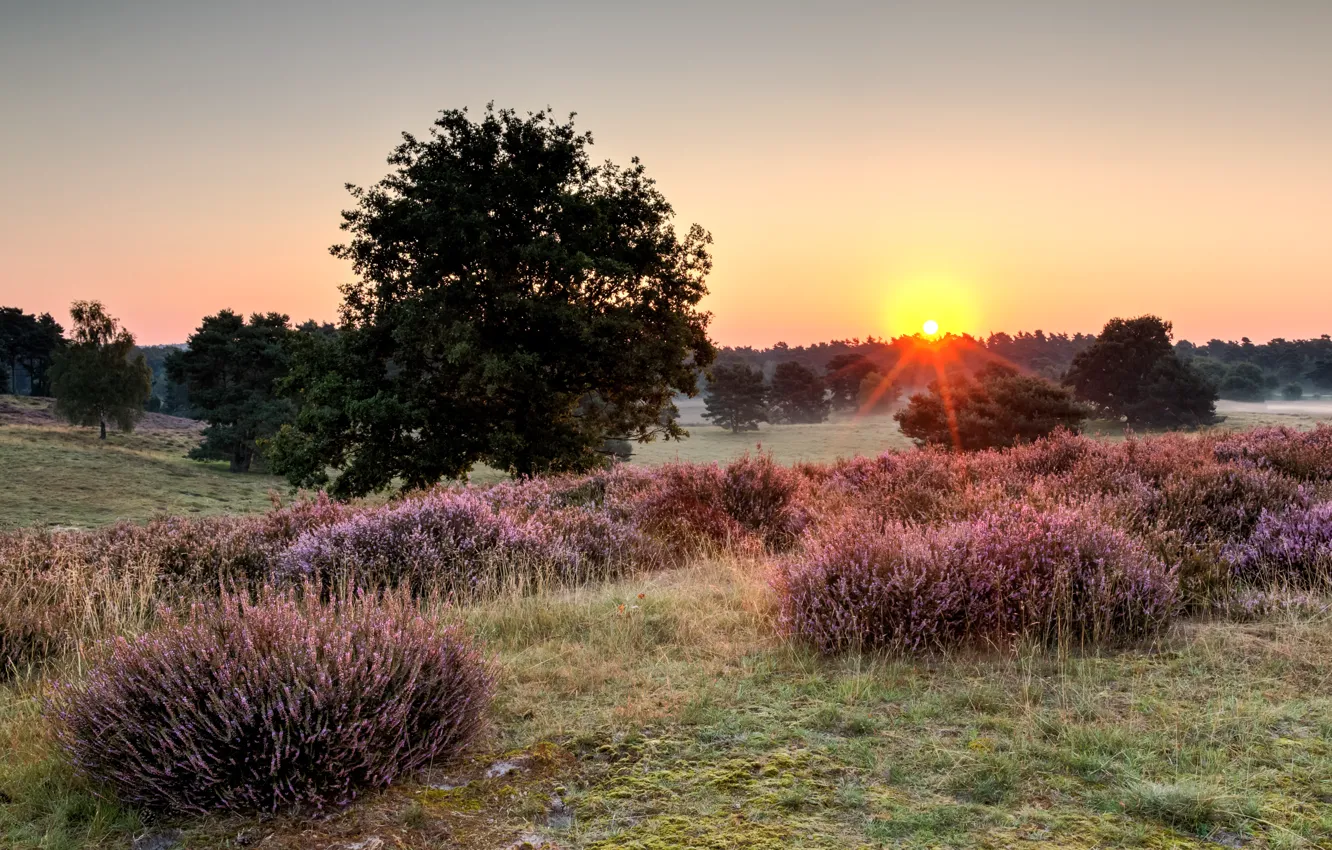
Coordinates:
[63,476]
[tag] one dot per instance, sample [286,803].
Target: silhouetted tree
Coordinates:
[1321,375]
[845,372]
[31,342]
[1132,371]
[231,370]
[736,397]
[877,395]
[1292,392]
[797,394]
[505,282]
[996,409]
[94,378]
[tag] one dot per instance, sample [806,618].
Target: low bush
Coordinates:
[1223,503]
[1305,455]
[1056,577]
[276,704]
[449,541]
[764,498]
[1292,547]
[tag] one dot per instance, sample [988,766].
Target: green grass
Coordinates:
[63,476]
[662,712]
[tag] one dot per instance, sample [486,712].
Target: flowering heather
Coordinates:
[273,705]
[764,498]
[452,541]
[1292,547]
[683,505]
[1053,577]
[1306,455]
[1216,502]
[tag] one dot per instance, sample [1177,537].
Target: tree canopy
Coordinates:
[1132,371]
[30,342]
[798,394]
[845,373]
[98,378]
[515,304]
[997,408]
[736,397]
[231,371]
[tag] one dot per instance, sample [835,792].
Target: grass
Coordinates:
[661,712]
[64,476]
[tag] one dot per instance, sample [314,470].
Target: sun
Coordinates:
[930,327]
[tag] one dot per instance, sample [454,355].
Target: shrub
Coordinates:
[274,704]
[1222,503]
[1291,547]
[450,541]
[1053,577]
[1305,455]
[763,497]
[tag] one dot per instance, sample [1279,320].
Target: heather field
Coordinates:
[1078,643]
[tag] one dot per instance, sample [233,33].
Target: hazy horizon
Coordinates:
[862,167]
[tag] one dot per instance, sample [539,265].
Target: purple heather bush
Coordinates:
[1056,577]
[1292,547]
[451,541]
[1305,455]
[279,704]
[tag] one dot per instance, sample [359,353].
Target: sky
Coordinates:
[862,167]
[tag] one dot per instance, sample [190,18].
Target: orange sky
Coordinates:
[862,167]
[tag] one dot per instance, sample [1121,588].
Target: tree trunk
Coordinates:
[240,458]
[103,420]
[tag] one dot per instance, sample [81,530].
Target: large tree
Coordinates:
[997,408]
[231,369]
[1132,372]
[516,304]
[736,397]
[798,394]
[96,378]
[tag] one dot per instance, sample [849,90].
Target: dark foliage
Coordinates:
[798,394]
[94,378]
[230,370]
[29,343]
[736,398]
[845,372]
[998,409]
[1245,382]
[274,705]
[1132,371]
[515,305]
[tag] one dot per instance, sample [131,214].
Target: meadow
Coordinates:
[692,655]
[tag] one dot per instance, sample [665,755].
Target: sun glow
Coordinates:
[929,303]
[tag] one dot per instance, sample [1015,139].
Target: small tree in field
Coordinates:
[95,379]
[998,409]
[798,394]
[1132,371]
[231,370]
[736,398]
